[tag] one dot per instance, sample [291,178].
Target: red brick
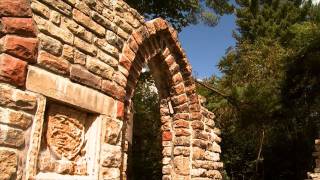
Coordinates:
[23,26]
[24,48]
[120,110]
[54,63]
[128,52]
[113,89]
[12,70]
[80,74]
[17,8]
[125,62]
[166,136]
[181,124]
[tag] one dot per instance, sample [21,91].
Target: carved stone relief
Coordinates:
[64,144]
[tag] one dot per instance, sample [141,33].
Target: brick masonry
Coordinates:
[88,54]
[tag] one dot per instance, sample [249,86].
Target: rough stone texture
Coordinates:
[12,70]
[9,163]
[315,175]
[68,71]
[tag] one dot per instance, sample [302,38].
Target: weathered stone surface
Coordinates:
[111,156]
[11,137]
[49,44]
[88,23]
[114,90]
[12,70]
[47,27]
[99,68]
[17,8]
[51,62]
[68,52]
[40,9]
[184,151]
[59,5]
[24,48]
[61,88]
[106,47]
[80,74]
[113,129]
[79,58]
[110,173]
[85,47]
[8,164]
[77,29]
[107,59]
[181,165]
[16,99]
[107,43]
[15,118]
[22,26]
[65,131]
[55,17]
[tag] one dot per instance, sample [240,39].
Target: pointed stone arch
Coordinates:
[184,137]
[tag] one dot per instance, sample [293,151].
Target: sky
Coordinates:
[206,45]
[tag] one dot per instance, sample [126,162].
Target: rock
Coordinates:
[8,164]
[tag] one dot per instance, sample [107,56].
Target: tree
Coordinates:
[181,13]
[271,75]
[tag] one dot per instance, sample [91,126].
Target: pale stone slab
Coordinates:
[62,89]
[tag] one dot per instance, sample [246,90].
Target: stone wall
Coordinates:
[68,71]
[315,175]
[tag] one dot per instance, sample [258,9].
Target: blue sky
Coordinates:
[205,45]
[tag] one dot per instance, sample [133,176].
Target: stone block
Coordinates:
[40,9]
[68,52]
[53,63]
[111,88]
[11,137]
[77,29]
[113,62]
[79,58]
[112,130]
[47,27]
[50,44]
[96,66]
[16,99]
[110,173]
[166,136]
[101,20]
[16,8]
[8,164]
[12,70]
[106,47]
[55,17]
[87,22]
[181,151]
[83,76]
[59,5]
[21,26]
[62,89]
[181,141]
[21,47]
[181,165]
[15,118]
[85,47]
[111,156]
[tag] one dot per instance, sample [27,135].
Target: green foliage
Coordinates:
[181,13]
[146,145]
[273,76]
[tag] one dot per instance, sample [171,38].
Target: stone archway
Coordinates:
[186,139]
[74,65]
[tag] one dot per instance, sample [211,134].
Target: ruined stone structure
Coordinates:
[315,175]
[68,70]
